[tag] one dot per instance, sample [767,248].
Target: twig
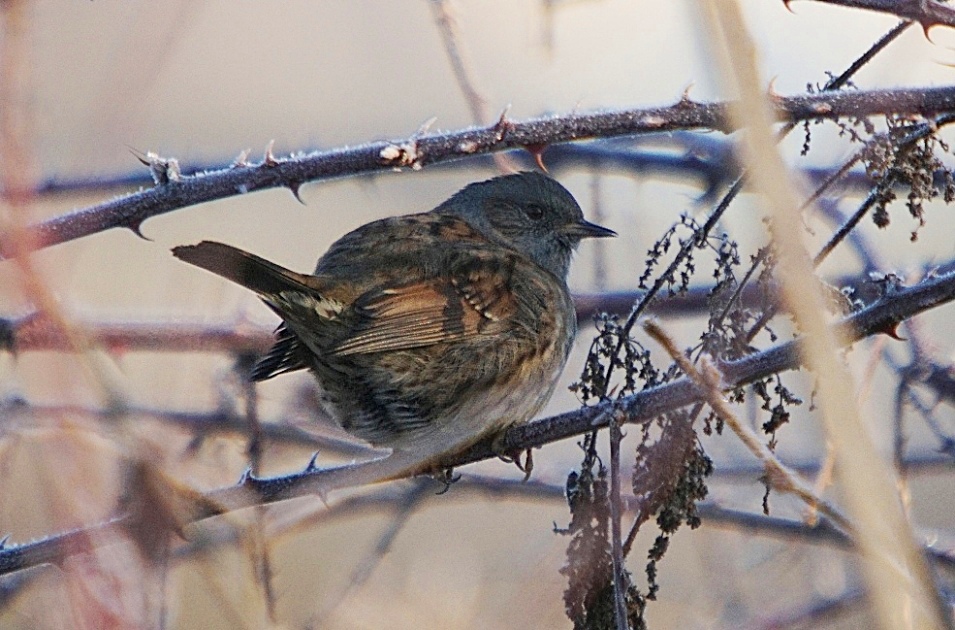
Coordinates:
[204,424]
[34,332]
[678,154]
[817,613]
[404,508]
[834,84]
[616,544]
[448,28]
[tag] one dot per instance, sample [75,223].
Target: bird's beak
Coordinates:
[586,229]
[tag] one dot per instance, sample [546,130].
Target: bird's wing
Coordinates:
[475,297]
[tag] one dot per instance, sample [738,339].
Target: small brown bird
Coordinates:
[428,331]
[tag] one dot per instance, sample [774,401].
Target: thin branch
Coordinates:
[204,424]
[817,613]
[643,406]
[616,545]
[33,332]
[843,79]
[177,191]
[404,509]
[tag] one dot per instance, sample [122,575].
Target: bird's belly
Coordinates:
[486,412]
[463,413]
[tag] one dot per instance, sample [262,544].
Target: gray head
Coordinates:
[528,212]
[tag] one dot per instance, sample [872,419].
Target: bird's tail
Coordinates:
[251,271]
[269,281]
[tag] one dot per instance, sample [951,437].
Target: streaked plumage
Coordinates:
[428,331]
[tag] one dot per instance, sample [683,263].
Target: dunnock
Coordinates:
[428,331]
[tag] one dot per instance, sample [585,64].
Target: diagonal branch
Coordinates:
[177,191]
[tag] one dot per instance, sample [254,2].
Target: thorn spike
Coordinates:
[312,462]
[136,228]
[269,156]
[295,187]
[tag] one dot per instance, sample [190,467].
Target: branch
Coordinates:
[882,316]
[683,155]
[202,424]
[928,13]
[34,332]
[177,191]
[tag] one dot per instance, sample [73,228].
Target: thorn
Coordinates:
[136,228]
[503,125]
[3,541]
[892,331]
[925,29]
[771,91]
[425,127]
[139,155]
[685,97]
[537,152]
[786,4]
[294,187]
[312,463]
[242,159]
[269,156]
[245,476]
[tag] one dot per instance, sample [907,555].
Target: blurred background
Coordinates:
[88,86]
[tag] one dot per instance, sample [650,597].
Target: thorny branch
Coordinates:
[928,13]
[882,316]
[175,191]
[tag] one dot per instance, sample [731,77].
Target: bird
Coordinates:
[427,332]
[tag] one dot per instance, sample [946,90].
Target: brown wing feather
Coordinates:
[474,301]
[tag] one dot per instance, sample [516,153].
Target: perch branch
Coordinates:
[882,316]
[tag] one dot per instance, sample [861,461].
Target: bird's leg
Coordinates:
[512,456]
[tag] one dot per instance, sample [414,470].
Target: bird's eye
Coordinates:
[534,211]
